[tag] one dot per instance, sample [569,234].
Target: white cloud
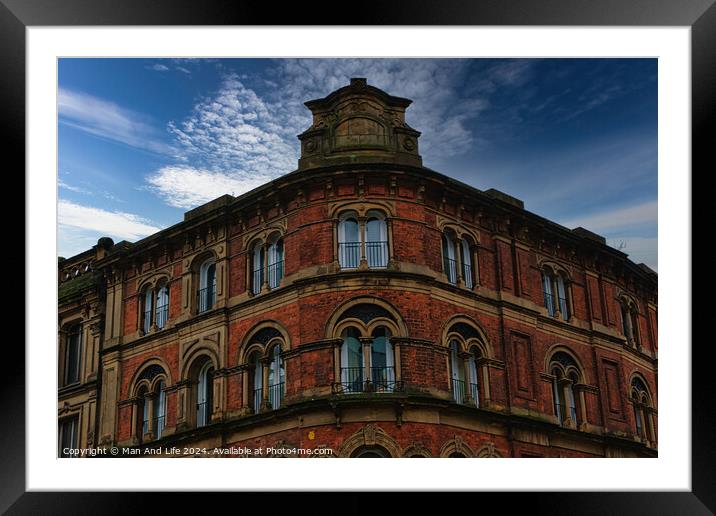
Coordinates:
[618,220]
[108,120]
[96,221]
[72,188]
[159,68]
[187,187]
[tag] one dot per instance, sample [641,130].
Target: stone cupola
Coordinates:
[358,123]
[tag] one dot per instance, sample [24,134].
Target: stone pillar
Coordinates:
[149,404]
[186,410]
[366,343]
[485,384]
[362,232]
[396,359]
[458,262]
[264,282]
[265,362]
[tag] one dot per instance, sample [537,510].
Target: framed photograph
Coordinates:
[389,241]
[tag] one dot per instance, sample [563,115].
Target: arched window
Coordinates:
[473,375]
[556,292]
[382,367]
[204,394]
[275,261]
[143,412]
[257,376]
[566,376]
[353,374]
[468,273]
[257,267]
[643,413]
[349,241]
[376,241]
[371,452]
[449,261]
[160,409]
[630,321]
[457,372]
[148,310]
[206,296]
[277,378]
[162,305]
[73,355]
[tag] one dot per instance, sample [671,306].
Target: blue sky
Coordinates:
[143,140]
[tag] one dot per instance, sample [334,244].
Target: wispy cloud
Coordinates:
[620,219]
[187,187]
[159,68]
[73,188]
[110,121]
[118,225]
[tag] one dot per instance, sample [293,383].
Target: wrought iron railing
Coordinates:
[158,426]
[458,390]
[474,394]
[257,399]
[352,379]
[563,308]
[202,413]
[349,254]
[161,316]
[467,274]
[275,394]
[377,254]
[549,303]
[563,412]
[450,268]
[205,299]
[382,379]
[275,273]
[147,323]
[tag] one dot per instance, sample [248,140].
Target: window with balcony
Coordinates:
[204,394]
[265,380]
[160,410]
[206,295]
[630,321]
[555,289]
[565,377]
[469,377]
[73,355]
[155,307]
[267,264]
[643,411]
[363,240]
[458,263]
[367,363]
[67,438]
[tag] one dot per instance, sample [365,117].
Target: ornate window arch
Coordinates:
[366,359]
[150,403]
[643,409]
[459,255]
[467,362]
[566,375]
[154,303]
[266,258]
[363,237]
[264,381]
[206,282]
[556,290]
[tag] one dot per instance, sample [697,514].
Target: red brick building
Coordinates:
[369,305]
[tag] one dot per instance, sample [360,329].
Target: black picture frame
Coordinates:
[700,15]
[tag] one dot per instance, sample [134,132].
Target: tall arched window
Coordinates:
[277,378]
[457,372]
[468,272]
[204,391]
[473,375]
[162,306]
[143,411]
[449,261]
[257,267]
[376,241]
[206,296]
[73,355]
[257,376]
[349,241]
[643,413]
[382,366]
[630,321]
[148,309]
[160,410]
[353,374]
[275,261]
[556,293]
[566,375]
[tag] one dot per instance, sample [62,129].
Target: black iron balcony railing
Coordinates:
[275,395]
[275,273]
[257,399]
[377,254]
[563,412]
[352,379]
[458,390]
[549,303]
[450,269]
[161,316]
[382,379]
[158,426]
[205,299]
[474,395]
[349,254]
[467,274]
[147,323]
[563,308]
[202,413]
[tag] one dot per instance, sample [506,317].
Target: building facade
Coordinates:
[367,305]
